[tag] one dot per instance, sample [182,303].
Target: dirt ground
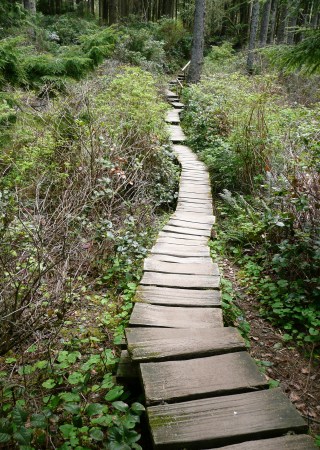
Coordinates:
[297,373]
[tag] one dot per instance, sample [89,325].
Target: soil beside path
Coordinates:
[298,374]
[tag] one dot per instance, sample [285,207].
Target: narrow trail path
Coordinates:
[202,388]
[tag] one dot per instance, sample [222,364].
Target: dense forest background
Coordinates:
[88,178]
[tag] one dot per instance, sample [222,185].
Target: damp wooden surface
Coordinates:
[202,388]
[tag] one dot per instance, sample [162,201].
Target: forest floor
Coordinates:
[283,363]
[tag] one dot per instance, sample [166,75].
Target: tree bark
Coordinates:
[265,19]
[30,5]
[283,20]
[292,21]
[197,42]
[273,17]
[113,14]
[254,22]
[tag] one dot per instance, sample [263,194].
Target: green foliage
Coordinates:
[85,405]
[304,56]
[269,155]
[11,70]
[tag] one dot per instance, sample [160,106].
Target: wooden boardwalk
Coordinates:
[202,388]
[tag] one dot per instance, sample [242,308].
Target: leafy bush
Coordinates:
[266,151]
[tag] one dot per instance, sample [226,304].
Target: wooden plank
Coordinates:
[178,250]
[199,239]
[158,344]
[176,133]
[186,230]
[178,280]
[177,105]
[174,381]
[174,268]
[173,116]
[180,259]
[148,315]
[195,218]
[195,200]
[177,297]
[176,241]
[289,442]
[127,370]
[223,420]
[194,225]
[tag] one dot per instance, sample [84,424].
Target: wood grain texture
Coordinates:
[194,225]
[195,218]
[199,239]
[223,420]
[186,230]
[173,116]
[178,250]
[176,134]
[159,344]
[127,370]
[178,280]
[291,442]
[148,315]
[174,381]
[181,268]
[180,240]
[178,297]
[180,259]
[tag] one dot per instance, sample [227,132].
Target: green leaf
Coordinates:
[4,437]
[120,406]
[67,430]
[94,409]
[115,393]
[96,434]
[19,416]
[76,378]
[38,421]
[69,397]
[137,408]
[49,384]
[23,436]
[103,421]
[118,446]
[10,360]
[73,408]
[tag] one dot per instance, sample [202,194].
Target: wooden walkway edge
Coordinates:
[202,389]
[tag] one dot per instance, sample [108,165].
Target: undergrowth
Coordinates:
[262,151]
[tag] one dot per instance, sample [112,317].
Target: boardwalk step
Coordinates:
[178,280]
[178,297]
[193,225]
[173,116]
[156,344]
[147,315]
[194,218]
[176,250]
[177,105]
[180,259]
[200,240]
[127,371]
[176,133]
[176,268]
[186,230]
[290,442]
[178,239]
[173,381]
[223,420]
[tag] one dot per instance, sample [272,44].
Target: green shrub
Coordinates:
[11,70]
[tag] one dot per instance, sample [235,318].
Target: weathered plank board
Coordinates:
[177,105]
[180,259]
[178,250]
[148,315]
[176,241]
[179,280]
[223,420]
[177,297]
[186,230]
[175,381]
[158,344]
[127,370]
[176,268]
[197,226]
[290,442]
[199,239]
[176,133]
[194,200]
[173,116]
[195,218]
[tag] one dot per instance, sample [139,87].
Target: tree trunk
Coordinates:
[315,13]
[253,34]
[283,18]
[292,21]
[30,5]
[265,19]
[197,42]
[273,17]
[113,16]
